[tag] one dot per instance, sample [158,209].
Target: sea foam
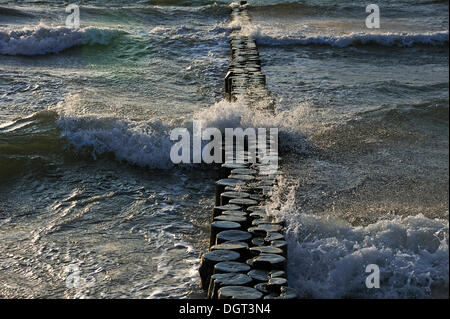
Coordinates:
[389,39]
[144,144]
[147,143]
[327,256]
[44,39]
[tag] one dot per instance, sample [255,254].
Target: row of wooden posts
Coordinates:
[248,251]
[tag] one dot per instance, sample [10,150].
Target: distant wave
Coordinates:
[354,39]
[330,6]
[44,40]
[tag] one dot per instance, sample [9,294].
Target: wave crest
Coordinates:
[354,39]
[44,40]
[144,144]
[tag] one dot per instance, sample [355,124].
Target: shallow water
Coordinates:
[86,177]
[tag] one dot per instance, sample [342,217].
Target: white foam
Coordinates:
[224,114]
[144,143]
[274,37]
[43,39]
[283,34]
[181,273]
[327,256]
[147,143]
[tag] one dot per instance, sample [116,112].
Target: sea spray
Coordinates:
[328,256]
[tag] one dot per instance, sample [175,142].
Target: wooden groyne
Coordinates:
[244,76]
[247,254]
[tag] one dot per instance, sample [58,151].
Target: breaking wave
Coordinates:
[354,39]
[44,40]
[328,256]
[143,143]
[146,144]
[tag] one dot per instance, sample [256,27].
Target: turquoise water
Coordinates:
[85,173]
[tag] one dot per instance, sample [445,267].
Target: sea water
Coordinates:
[87,186]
